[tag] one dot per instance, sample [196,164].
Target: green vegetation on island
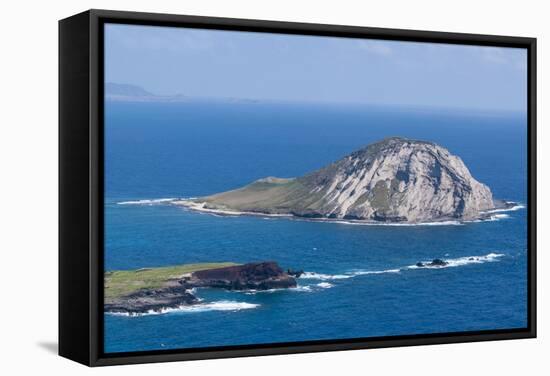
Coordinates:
[123,282]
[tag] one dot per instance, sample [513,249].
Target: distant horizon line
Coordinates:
[147,96]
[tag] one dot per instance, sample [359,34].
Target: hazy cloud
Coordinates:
[375,47]
[516,58]
[155,38]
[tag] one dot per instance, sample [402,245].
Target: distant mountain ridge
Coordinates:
[112,88]
[116,92]
[393,180]
[132,93]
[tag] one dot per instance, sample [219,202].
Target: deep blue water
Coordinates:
[160,150]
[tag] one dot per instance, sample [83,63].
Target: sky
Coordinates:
[296,68]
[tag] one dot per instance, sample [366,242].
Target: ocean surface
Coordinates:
[360,280]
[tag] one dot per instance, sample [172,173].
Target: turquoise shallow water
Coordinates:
[360,283]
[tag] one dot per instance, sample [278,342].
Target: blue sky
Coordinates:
[213,63]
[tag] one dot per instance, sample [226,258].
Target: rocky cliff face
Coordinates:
[400,179]
[253,276]
[396,179]
[148,300]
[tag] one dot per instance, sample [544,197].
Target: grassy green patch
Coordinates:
[123,282]
[380,196]
[266,195]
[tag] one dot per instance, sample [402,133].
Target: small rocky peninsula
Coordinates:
[393,180]
[176,291]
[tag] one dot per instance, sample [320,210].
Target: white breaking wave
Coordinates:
[325,285]
[513,208]
[492,218]
[269,291]
[302,288]
[461,261]
[155,201]
[299,288]
[223,305]
[435,223]
[366,272]
[496,217]
[323,277]
[328,277]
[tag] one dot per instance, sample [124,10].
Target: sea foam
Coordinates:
[397,224]
[325,285]
[323,277]
[513,208]
[460,261]
[222,305]
[351,274]
[298,288]
[367,272]
[155,201]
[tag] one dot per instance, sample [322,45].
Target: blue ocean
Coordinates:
[360,280]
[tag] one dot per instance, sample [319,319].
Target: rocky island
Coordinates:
[155,289]
[393,180]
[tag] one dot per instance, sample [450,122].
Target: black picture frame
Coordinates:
[81,186]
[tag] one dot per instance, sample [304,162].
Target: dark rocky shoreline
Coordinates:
[178,292]
[253,276]
[147,300]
